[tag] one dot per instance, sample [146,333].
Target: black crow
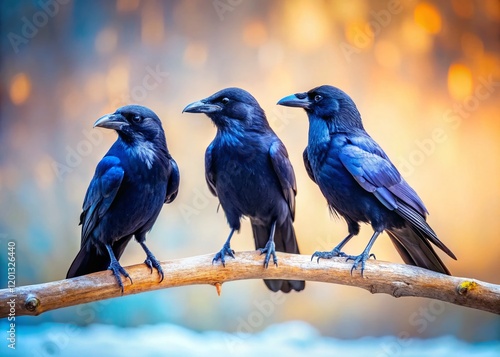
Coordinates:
[360,183]
[247,168]
[130,185]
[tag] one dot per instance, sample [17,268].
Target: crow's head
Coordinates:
[328,103]
[230,108]
[134,124]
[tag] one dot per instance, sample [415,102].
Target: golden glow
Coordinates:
[415,38]
[427,16]
[359,34]
[459,81]
[348,10]
[106,41]
[387,54]
[306,24]
[152,30]
[20,88]
[254,34]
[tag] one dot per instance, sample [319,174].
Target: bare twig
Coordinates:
[379,277]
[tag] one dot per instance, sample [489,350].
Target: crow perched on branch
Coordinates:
[247,168]
[360,183]
[131,184]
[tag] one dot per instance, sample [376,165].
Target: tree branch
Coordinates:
[379,277]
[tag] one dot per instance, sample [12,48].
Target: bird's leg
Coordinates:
[269,249]
[226,250]
[365,255]
[116,268]
[151,261]
[335,252]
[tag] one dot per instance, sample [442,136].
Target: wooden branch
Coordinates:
[379,277]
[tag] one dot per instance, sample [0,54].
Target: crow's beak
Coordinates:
[201,107]
[296,100]
[111,121]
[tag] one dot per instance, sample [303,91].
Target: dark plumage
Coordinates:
[248,169]
[359,181]
[131,184]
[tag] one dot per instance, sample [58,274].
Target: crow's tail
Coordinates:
[285,241]
[415,249]
[89,260]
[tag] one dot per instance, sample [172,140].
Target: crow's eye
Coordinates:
[224,101]
[137,119]
[317,98]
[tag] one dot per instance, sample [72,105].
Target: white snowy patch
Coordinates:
[145,151]
[292,339]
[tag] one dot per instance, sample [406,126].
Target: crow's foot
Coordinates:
[269,249]
[328,255]
[118,271]
[226,250]
[360,259]
[152,262]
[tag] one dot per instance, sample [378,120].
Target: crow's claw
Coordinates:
[269,249]
[152,262]
[328,255]
[362,258]
[226,250]
[118,271]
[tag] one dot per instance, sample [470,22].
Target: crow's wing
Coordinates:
[209,170]
[284,170]
[307,164]
[100,194]
[173,182]
[373,170]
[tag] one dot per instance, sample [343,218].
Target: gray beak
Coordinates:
[201,107]
[299,100]
[111,121]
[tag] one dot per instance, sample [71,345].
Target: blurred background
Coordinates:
[424,74]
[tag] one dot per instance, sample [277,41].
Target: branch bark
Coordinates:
[379,277]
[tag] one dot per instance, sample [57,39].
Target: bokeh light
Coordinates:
[306,25]
[20,88]
[459,81]
[427,16]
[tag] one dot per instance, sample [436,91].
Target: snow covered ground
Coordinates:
[288,339]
